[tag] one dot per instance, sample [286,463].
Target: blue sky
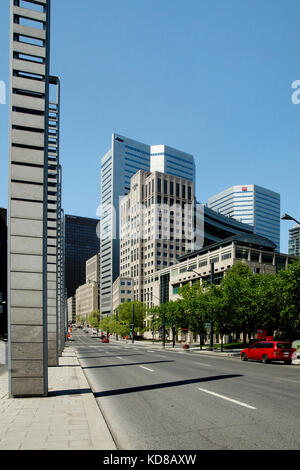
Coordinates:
[209,77]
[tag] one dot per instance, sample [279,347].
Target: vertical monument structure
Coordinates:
[28,198]
[53,208]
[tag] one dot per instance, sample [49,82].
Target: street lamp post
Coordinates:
[289,217]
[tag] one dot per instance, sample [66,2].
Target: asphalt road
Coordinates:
[155,399]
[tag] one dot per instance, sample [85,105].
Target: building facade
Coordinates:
[87,299]
[253,205]
[3,271]
[123,291]
[71,303]
[125,158]
[156,226]
[173,162]
[212,262]
[81,243]
[87,295]
[294,241]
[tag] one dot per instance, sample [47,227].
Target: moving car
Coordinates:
[267,351]
[94,333]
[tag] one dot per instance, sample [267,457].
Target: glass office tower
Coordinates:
[253,205]
[125,158]
[81,243]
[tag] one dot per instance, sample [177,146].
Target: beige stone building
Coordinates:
[123,291]
[156,226]
[209,264]
[87,295]
[71,302]
[87,299]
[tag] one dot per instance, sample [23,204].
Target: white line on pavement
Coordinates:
[202,364]
[228,399]
[118,357]
[147,368]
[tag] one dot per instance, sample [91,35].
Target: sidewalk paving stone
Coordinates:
[67,419]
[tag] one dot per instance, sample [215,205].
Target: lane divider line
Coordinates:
[228,399]
[146,368]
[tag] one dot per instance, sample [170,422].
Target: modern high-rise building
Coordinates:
[294,241]
[253,205]
[173,162]
[81,243]
[125,158]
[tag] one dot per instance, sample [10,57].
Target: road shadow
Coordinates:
[72,391]
[143,388]
[124,365]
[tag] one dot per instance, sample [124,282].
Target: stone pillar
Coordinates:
[54,196]
[28,173]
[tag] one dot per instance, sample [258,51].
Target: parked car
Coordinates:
[267,351]
[105,340]
[94,333]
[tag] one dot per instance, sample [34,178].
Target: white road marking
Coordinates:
[202,364]
[118,357]
[228,399]
[147,368]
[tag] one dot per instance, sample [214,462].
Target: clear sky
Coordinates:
[208,77]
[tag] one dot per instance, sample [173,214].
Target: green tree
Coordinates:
[197,308]
[175,317]
[289,319]
[239,296]
[125,315]
[154,319]
[94,318]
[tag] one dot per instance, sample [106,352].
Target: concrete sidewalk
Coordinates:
[67,419]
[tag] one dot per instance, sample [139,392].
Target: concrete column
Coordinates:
[53,201]
[27,227]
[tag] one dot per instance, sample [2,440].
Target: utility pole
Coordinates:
[117,336]
[132,324]
[212,281]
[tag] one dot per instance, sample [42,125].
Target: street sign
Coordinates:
[207,326]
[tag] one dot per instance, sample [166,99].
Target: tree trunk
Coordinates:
[174,336]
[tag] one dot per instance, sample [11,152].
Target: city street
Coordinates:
[160,399]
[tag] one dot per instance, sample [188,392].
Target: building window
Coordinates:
[176,288]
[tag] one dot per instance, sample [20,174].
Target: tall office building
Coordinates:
[294,241]
[253,205]
[173,162]
[125,158]
[156,225]
[81,243]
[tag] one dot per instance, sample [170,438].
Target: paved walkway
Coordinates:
[67,419]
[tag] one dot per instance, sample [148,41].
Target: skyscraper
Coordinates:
[156,225]
[253,205]
[81,243]
[125,158]
[173,162]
